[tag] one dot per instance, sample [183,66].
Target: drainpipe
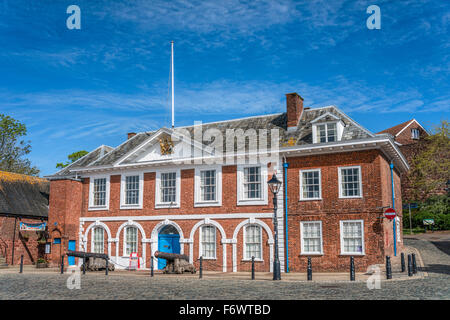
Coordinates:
[285,166]
[393,207]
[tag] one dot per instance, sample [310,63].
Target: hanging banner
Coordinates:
[32,226]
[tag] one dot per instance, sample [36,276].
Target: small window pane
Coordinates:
[208,242]
[131,240]
[312,237]
[99,192]
[352,237]
[252,183]
[168,187]
[311,185]
[350,186]
[208,185]
[132,190]
[98,237]
[253,242]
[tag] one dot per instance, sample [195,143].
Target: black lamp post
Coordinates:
[274,185]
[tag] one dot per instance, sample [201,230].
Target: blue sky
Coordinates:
[78,89]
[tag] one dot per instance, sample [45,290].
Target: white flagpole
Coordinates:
[173,98]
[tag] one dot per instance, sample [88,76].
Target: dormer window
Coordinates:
[415,134]
[326,132]
[327,128]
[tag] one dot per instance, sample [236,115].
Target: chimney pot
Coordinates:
[294,108]
[131,135]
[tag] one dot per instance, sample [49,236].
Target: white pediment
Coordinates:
[152,150]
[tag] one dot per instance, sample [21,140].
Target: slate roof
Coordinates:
[86,160]
[22,195]
[302,135]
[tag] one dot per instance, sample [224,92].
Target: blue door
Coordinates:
[72,246]
[169,243]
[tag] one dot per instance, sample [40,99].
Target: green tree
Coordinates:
[430,168]
[13,149]
[72,158]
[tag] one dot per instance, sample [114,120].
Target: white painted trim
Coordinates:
[124,247]
[91,206]
[302,248]
[270,241]
[158,203]
[130,222]
[200,245]
[341,232]
[244,251]
[183,217]
[197,181]
[241,201]
[301,184]
[413,120]
[208,221]
[155,233]
[340,182]
[339,130]
[123,189]
[97,223]
[328,113]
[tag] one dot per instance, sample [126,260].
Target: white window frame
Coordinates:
[158,203]
[341,196]
[244,234]
[301,184]
[341,231]
[413,136]
[123,194]
[92,207]
[339,130]
[302,248]
[200,247]
[125,239]
[198,202]
[92,238]
[241,201]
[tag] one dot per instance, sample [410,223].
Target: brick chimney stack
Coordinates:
[294,108]
[131,135]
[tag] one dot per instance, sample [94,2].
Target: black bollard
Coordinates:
[151,267]
[409,266]
[352,269]
[107,266]
[402,258]
[84,264]
[414,265]
[201,268]
[62,264]
[253,268]
[388,268]
[21,264]
[309,269]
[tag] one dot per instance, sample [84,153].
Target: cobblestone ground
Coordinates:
[96,286]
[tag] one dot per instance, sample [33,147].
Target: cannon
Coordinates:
[94,261]
[176,263]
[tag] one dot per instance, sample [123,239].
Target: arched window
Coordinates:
[208,242]
[98,238]
[252,242]
[131,240]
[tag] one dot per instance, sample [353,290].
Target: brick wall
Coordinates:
[25,243]
[69,202]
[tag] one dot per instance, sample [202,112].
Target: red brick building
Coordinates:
[410,137]
[23,202]
[202,190]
